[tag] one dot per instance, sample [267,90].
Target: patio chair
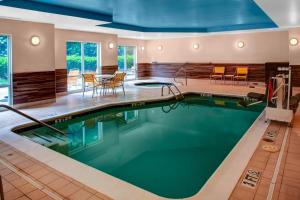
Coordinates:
[89,80]
[218,73]
[116,81]
[73,76]
[241,73]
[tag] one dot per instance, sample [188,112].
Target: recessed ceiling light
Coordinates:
[241,44]
[293,41]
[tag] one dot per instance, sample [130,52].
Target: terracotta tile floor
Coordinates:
[26,178]
[263,162]
[287,185]
[288,188]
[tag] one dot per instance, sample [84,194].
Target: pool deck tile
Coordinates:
[81,194]
[287,185]
[64,187]
[263,162]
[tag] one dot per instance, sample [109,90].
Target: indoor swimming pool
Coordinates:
[169,148]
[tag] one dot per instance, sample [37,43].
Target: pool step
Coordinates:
[46,139]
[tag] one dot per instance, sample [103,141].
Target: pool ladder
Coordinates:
[170,86]
[31,118]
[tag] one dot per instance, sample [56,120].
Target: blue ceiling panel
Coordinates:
[56,9]
[97,6]
[159,15]
[188,13]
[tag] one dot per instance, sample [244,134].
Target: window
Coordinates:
[127,61]
[82,57]
[5,77]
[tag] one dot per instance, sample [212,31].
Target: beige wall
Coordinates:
[141,54]
[51,53]
[259,48]
[108,56]
[295,50]
[26,57]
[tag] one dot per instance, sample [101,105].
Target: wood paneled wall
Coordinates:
[61,81]
[109,69]
[296,75]
[33,86]
[197,70]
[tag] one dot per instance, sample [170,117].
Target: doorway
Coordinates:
[5,70]
[127,59]
[82,57]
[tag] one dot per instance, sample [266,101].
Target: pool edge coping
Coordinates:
[51,157]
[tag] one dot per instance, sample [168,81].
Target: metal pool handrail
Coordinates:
[31,118]
[181,69]
[169,85]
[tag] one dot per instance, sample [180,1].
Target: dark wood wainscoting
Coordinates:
[61,81]
[296,75]
[33,86]
[109,69]
[197,70]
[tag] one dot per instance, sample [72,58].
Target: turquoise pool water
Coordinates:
[151,84]
[168,148]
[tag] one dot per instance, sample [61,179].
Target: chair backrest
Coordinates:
[119,77]
[242,71]
[88,78]
[219,70]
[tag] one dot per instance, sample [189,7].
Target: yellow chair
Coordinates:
[116,81]
[241,73]
[89,80]
[218,73]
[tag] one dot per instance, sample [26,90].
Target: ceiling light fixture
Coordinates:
[241,44]
[111,45]
[35,40]
[196,46]
[160,47]
[293,41]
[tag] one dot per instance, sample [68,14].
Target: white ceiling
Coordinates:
[285,13]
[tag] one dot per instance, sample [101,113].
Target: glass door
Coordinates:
[74,60]
[127,60]
[82,57]
[91,62]
[5,74]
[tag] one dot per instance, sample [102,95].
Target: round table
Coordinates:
[104,78]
